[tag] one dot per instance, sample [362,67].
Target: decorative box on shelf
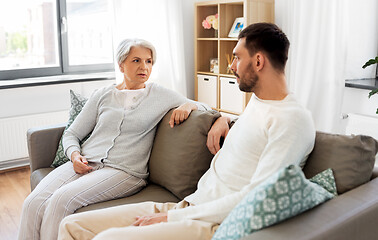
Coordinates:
[231,98]
[207,89]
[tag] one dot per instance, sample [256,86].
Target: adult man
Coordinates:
[273,132]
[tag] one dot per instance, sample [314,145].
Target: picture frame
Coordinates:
[237,27]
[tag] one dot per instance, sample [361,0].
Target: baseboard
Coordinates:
[14,163]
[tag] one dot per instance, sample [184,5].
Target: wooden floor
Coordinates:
[14,188]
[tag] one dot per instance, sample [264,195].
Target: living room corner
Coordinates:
[58,46]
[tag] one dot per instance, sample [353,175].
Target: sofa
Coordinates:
[179,157]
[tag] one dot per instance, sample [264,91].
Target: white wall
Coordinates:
[357,101]
[362,38]
[29,107]
[188,20]
[42,99]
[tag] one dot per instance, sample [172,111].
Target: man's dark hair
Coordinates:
[269,39]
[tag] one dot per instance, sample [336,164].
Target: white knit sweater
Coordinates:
[121,138]
[269,135]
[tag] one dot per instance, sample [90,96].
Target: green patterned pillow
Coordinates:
[326,180]
[285,194]
[77,104]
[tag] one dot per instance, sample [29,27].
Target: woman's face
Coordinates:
[137,67]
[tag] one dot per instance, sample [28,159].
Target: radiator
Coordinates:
[13,145]
[362,124]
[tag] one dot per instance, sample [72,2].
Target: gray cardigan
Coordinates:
[121,138]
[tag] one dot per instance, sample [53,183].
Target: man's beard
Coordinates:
[248,82]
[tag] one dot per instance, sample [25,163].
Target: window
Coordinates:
[52,37]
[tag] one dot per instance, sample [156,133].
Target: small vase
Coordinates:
[216,33]
[229,69]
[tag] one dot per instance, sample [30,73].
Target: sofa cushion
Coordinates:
[179,155]
[77,104]
[151,192]
[350,157]
[283,195]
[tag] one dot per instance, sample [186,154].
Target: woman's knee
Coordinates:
[64,201]
[33,203]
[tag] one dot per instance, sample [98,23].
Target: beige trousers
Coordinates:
[114,223]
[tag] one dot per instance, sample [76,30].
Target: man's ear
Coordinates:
[259,61]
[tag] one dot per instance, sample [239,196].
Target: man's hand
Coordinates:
[80,163]
[151,219]
[219,129]
[181,113]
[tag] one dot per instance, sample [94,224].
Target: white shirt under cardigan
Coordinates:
[130,97]
[268,135]
[122,133]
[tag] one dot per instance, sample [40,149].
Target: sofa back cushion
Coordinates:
[179,155]
[350,157]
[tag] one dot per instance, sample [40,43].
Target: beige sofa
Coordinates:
[179,158]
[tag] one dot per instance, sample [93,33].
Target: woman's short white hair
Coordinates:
[125,46]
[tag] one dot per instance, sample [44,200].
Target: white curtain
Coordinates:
[161,23]
[330,41]
[317,32]
[362,38]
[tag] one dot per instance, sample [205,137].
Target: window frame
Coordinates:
[63,57]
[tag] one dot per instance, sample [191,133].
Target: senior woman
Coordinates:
[112,162]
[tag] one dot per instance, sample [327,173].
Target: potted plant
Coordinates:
[368,63]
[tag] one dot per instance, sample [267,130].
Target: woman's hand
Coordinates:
[219,129]
[151,219]
[181,113]
[80,163]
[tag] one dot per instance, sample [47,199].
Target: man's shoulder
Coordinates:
[290,115]
[295,113]
[293,109]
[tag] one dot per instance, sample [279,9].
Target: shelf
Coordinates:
[207,39]
[227,15]
[207,50]
[363,83]
[216,74]
[54,80]
[207,73]
[207,46]
[226,48]
[202,12]
[228,75]
[229,39]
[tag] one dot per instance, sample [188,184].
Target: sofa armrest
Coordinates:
[42,145]
[375,172]
[352,215]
